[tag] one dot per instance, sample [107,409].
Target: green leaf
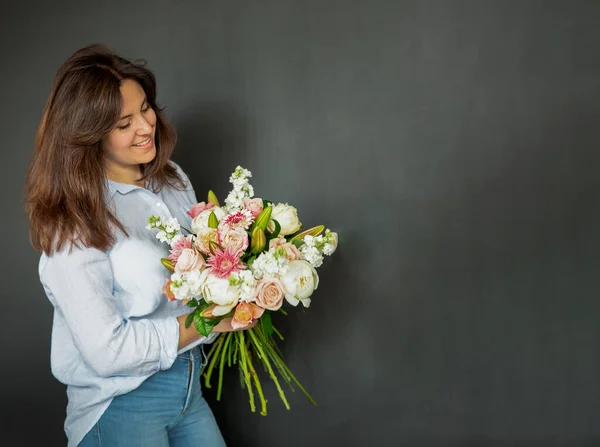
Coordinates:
[189,319]
[282,311]
[193,302]
[267,203]
[267,325]
[204,325]
[277,229]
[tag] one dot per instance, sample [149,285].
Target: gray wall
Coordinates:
[452,144]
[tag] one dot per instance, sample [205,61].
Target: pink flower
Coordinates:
[236,239]
[181,244]
[269,293]
[292,253]
[225,262]
[167,290]
[189,260]
[244,314]
[255,206]
[240,219]
[198,208]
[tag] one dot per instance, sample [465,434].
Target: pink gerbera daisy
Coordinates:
[225,261]
[240,219]
[178,247]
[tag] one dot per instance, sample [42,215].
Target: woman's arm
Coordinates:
[80,286]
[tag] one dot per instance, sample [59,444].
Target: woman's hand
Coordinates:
[225,326]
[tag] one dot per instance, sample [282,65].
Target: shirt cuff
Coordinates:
[170,342]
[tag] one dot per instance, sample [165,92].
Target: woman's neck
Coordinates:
[124,174]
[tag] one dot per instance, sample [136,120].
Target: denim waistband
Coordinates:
[196,353]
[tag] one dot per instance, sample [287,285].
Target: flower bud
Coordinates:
[314,231]
[168,264]
[213,222]
[259,241]
[263,218]
[212,198]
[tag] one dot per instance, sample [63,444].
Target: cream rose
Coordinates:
[287,216]
[204,237]
[201,220]
[269,293]
[299,283]
[220,292]
[189,260]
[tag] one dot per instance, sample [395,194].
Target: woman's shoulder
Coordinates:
[182,174]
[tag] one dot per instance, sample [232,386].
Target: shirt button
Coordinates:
[157,203]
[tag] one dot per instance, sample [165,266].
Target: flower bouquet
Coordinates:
[243,261]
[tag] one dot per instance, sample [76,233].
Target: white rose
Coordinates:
[201,220]
[220,292]
[287,216]
[300,281]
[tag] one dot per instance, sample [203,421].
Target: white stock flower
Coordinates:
[312,255]
[267,264]
[246,284]
[186,285]
[300,281]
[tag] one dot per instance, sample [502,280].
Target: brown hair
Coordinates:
[66,186]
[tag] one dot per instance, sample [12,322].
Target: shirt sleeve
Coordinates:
[79,283]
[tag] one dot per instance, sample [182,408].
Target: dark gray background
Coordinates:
[452,144]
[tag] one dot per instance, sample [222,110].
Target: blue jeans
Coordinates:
[167,410]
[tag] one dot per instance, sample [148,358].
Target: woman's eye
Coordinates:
[146,109]
[124,127]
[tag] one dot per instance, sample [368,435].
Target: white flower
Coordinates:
[312,255]
[201,220]
[267,264]
[185,285]
[220,292]
[300,281]
[246,284]
[287,216]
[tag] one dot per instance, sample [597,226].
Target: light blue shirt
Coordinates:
[113,327]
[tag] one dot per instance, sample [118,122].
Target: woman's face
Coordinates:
[131,142]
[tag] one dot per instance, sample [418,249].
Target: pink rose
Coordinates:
[292,253]
[180,244]
[198,208]
[269,293]
[255,206]
[189,260]
[235,238]
[244,314]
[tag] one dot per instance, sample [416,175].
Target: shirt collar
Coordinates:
[123,188]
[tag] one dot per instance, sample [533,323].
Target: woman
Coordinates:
[101,167]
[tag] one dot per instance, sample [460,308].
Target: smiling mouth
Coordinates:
[143,143]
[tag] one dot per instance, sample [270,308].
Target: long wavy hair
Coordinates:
[66,191]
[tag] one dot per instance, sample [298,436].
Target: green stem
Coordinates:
[244,366]
[284,366]
[257,344]
[211,365]
[278,333]
[235,353]
[263,402]
[222,364]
